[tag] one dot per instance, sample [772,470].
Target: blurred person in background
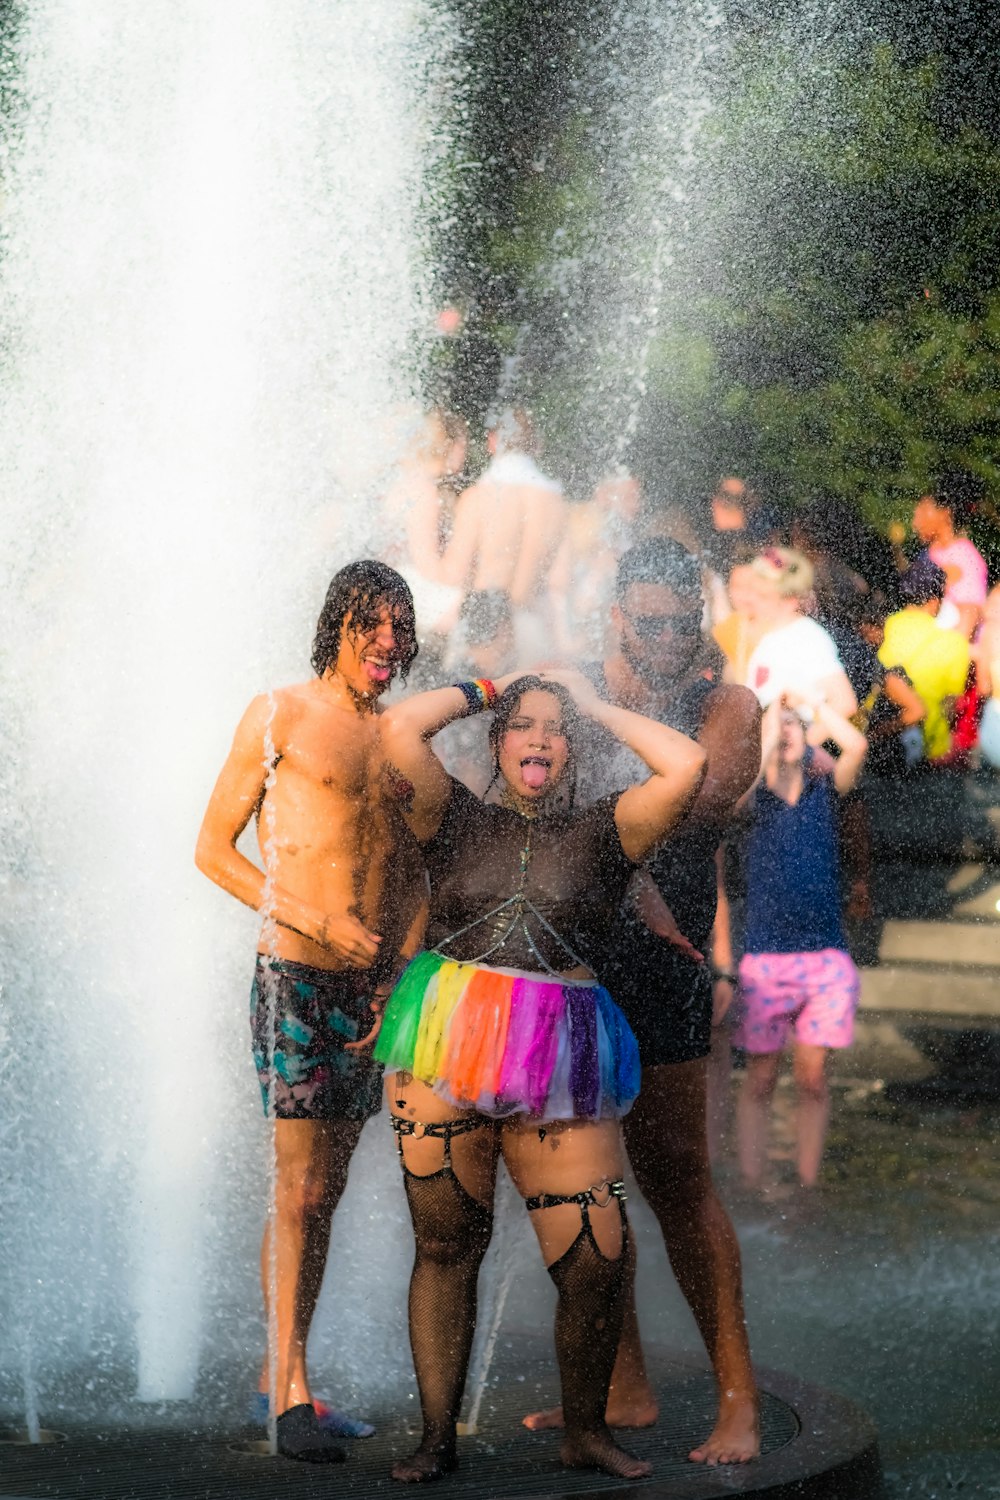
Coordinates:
[414,509]
[509,526]
[935,660]
[740,524]
[662,667]
[891,706]
[795,971]
[582,580]
[735,626]
[939,522]
[794,652]
[849,558]
[986,656]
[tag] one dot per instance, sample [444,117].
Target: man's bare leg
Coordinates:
[312,1159]
[720,1070]
[667,1142]
[753,1115]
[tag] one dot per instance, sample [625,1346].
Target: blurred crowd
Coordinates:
[863,652]
[901,634]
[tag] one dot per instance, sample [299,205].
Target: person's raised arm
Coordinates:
[422,785]
[900,691]
[730,738]
[237,796]
[644,814]
[831,725]
[836,689]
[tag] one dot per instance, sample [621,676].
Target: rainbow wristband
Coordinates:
[475,697]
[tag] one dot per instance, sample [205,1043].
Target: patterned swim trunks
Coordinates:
[315,1013]
[817,993]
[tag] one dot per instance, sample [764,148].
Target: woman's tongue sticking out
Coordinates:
[533,773]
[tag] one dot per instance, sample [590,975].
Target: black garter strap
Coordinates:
[589,1197]
[438,1130]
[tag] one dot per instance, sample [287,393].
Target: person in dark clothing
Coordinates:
[659,669]
[500,1036]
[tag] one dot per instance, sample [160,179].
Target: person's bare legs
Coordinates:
[631,1399]
[666,1137]
[719,1073]
[812,1109]
[591,1272]
[753,1115]
[312,1160]
[452,1213]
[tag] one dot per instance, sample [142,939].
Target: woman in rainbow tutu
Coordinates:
[499,1037]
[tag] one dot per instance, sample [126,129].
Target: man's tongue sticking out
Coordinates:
[377,672]
[533,774]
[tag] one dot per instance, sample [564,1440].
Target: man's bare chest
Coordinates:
[341,759]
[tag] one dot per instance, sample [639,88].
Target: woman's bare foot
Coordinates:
[735,1438]
[598,1450]
[631,1409]
[424,1466]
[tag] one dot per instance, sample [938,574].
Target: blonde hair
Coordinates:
[787,572]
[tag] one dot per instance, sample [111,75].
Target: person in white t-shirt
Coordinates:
[794,654]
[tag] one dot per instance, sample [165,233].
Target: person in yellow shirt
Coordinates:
[936,660]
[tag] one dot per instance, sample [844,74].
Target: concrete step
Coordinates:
[942,991]
[948,942]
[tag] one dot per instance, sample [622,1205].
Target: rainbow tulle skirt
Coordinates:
[506,1042]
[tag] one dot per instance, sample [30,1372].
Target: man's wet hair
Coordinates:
[484,614]
[363,590]
[663,561]
[922,581]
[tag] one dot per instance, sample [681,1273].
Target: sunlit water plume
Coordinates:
[214,291]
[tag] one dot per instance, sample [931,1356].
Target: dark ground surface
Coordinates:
[814,1447]
[882,1286]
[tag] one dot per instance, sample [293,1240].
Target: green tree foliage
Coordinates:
[831,314]
[853,308]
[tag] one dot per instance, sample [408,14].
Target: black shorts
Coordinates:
[669,1007]
[315,1013]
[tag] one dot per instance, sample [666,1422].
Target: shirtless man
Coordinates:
[340,901]
[508,528]
[660,667]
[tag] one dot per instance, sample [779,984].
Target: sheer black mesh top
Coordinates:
[566,872]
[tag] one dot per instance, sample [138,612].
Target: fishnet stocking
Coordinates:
[588,1325]
[452,1232]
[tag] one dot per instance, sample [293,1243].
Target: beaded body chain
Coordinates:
[519,906]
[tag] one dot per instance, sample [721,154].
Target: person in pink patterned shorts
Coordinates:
[796,977]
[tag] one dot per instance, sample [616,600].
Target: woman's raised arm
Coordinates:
[417,779]
[644,814]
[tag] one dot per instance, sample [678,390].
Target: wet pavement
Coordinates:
[883,1284]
